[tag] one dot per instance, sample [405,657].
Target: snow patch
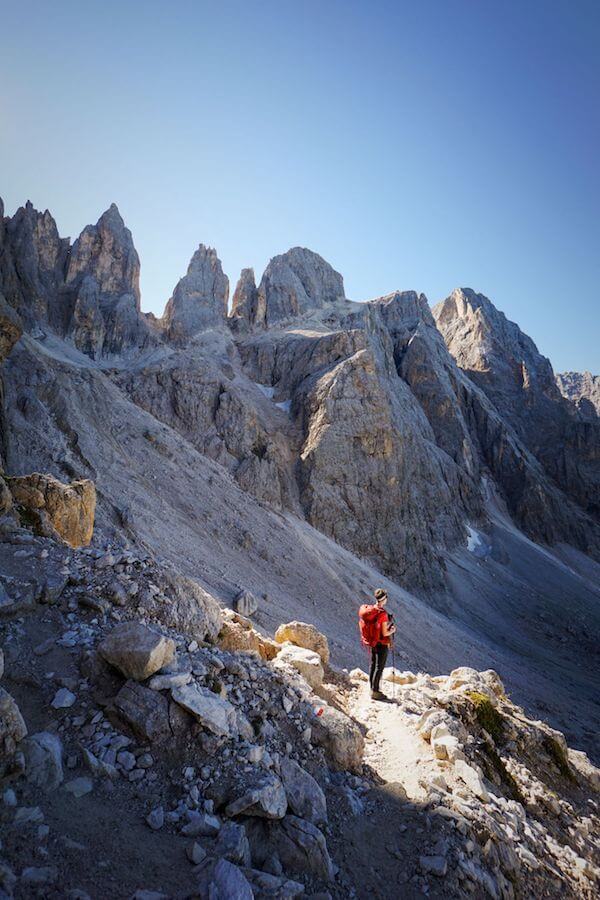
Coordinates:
[285,405]
[474,541]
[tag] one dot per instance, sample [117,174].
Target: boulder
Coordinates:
[222,880]
[184,606]
[213,712]
[266,798]
[304,635]
[301,847]
[236,638]
[43,760]
[136,651]
[238,635]
[66,510]
[306,662]
[246,603]
[12,725]
[232,844]
[472,779]
[200,824]
[304,795]
[277,887]
[146,712]
[340,737]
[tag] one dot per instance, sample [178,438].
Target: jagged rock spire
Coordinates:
[245,301]
[105,252]
[199,300]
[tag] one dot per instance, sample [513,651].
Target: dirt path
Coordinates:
[392,747]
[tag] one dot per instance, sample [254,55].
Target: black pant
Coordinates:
[378,657]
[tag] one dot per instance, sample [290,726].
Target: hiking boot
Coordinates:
[378,695]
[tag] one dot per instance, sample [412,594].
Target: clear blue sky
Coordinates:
[414,145]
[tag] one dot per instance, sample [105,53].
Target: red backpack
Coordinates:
[369,623]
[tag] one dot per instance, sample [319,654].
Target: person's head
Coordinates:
[381,597]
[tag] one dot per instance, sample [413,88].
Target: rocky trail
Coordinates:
[144,761]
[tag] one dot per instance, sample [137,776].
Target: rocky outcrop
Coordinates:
[105,253]
[519,382]
[199,300]
[102,280]
[88,292]
[199,392]
[58,510]
[33,258]
[582,389]
[293,284]
[244,304]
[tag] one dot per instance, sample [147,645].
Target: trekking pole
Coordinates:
[393,671]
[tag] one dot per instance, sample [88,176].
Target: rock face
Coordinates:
[65,510]
[583,389]
[200,299]
[519,382]
[88,292]
[32,264]
[293,284]
[244,304]
[102,279]
[379,424]
[136,651]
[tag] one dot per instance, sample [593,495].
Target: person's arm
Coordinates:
[387,629]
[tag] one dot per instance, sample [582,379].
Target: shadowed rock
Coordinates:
[244,303]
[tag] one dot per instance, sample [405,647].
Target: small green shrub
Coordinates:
[487,715]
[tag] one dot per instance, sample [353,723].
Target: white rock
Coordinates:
[216,714]
[166,682]
[306,662]
[472,779]
[63,699]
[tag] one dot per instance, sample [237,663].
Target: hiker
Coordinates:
[376,630]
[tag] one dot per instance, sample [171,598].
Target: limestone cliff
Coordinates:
[199,300]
